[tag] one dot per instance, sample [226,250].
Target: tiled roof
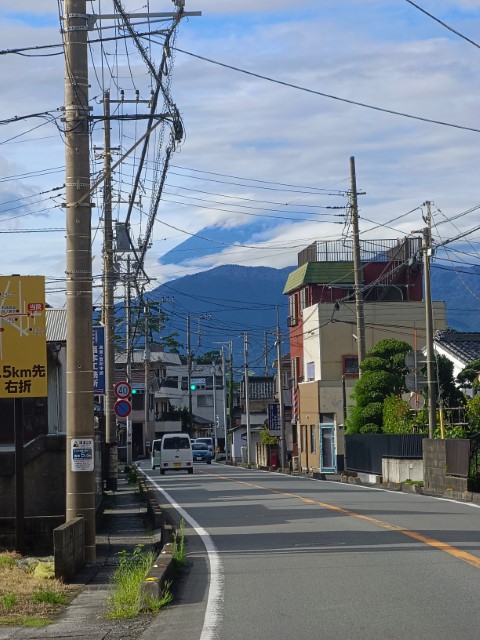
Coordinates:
[464,346]
[163,357]
[320,273]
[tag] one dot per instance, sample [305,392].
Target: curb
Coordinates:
[161,574]
[163,569]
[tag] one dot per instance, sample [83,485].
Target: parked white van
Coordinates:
[173,452]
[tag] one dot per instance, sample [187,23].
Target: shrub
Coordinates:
[370,427]
[396,416]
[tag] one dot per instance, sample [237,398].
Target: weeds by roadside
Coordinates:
[126,601]
[178,552]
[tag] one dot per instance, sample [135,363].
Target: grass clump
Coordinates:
[155,604]
[49,596]
[8,601]
[127,578]
[132,474]
[178,552]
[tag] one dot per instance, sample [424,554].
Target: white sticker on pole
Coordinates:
[82,454]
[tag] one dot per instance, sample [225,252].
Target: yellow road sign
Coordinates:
[23,351]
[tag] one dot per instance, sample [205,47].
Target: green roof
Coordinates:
[328,273]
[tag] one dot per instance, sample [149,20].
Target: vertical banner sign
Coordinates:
[23,348]
[274,419]
[98,360]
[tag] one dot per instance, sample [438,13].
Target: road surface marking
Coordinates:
[431,542]
[213,612]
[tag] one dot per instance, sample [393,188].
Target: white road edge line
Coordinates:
[213,612]
[347,485]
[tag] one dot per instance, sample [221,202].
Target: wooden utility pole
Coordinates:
[108,317]
[431,374]
[80,478]
[357,265]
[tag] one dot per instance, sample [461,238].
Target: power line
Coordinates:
[328,95]
[444,24]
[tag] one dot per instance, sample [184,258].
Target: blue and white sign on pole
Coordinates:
[274,419]
[98,334]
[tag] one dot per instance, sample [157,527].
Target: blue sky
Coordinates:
[382,53]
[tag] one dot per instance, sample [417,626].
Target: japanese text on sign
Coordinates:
[23,353]
[82,454]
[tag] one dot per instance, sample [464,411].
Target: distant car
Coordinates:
[201,452]
[208,442]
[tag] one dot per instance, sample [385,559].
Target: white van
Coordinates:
[172,452]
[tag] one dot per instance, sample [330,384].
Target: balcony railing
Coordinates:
[382,250]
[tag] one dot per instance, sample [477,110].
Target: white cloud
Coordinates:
[236,124]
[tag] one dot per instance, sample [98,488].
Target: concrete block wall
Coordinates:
[69,549]
[435,470]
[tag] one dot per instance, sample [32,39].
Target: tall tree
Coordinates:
[383,374]
[469,375]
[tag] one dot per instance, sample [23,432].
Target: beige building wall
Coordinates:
[328,337]
[330,334]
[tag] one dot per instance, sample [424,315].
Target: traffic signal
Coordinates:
[193,386]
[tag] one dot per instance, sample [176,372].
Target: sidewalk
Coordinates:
[123,526]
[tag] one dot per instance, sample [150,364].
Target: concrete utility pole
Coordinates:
[147,369]
[128,348]
[357,264]
[189,375]
[231,387]
[283,443]
[214,385]
[224,382]
[431,373]
[80,480]
[247,400]
[108,317]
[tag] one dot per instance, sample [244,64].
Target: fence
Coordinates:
[364,453]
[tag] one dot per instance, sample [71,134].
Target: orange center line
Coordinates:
[431,542]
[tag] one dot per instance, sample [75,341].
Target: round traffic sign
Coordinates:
[122,408]
[122,389]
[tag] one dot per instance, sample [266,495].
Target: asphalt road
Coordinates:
[273,557]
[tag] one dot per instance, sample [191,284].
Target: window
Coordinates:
[303,437]
[350,365]
[313,445]
[176,442]
[292,311]
[303,299]
[204,401]
[310,371]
